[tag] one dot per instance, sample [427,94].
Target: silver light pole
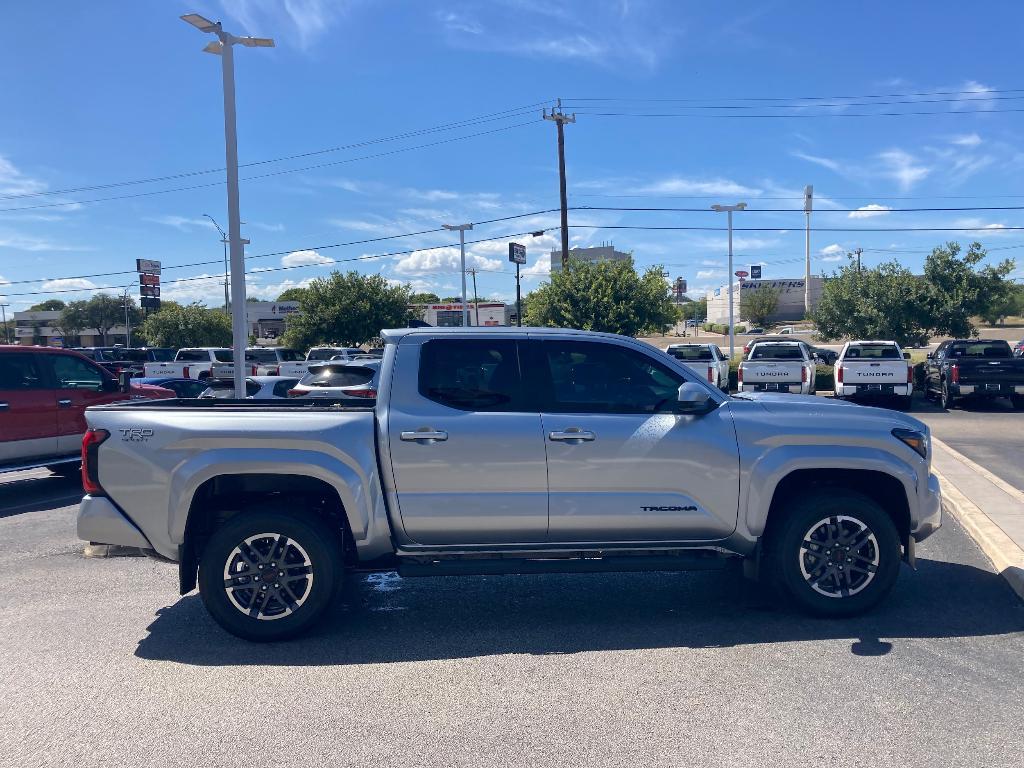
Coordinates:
[808,205]
[224,240]
[462,253]
[225,49]
[732,325]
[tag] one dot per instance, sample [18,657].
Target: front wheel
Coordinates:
[267,576]
[835,553]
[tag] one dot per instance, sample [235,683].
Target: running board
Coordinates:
[697,560]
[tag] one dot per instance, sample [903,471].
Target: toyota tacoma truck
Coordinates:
[874,370]
[979,369]
[777,366]
[510,451]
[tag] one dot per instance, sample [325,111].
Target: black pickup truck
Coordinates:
[975,368]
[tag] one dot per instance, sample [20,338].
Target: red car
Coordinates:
[44,392]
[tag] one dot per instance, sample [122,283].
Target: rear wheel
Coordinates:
[834,553]
[267,576]
[1018,402]
[946,400]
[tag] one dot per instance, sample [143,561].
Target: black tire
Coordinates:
[945,399]
[313,547]
[905,402]
[875,562]
[1018,402]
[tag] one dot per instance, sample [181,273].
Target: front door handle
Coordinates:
[64,403]
[425,435]
[573,435]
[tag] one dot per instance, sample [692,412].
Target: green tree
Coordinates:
[958,290]
[608,296]
[189,325]
[103,311]
[72,319]
[425,298]
[759,304]
[50,305]
[348,308]
[292,294]
[887,302]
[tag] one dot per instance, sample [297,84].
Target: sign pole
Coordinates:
[519,301]
[517,255]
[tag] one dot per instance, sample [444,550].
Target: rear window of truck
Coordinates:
[691,353]
[981,349]
[874,352]
[776,352]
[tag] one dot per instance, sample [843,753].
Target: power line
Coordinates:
[274,173]
[804,98]
[878,211]
[467,122]
[802,115]
[844,105]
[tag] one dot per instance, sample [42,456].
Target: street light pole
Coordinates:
[225,49]
[224,240]
[462,254]
[732,325]
[3,314]
[808,204]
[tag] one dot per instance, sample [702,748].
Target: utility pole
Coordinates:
[476,300]
[732,325]
[808,205]
[224,240]
[225,49]
[127,321]
[3,314]
[858,251]
[462,255]
[560,119]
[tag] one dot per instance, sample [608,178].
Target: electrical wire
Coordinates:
[803,115]
[801,98]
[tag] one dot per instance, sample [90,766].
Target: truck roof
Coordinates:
[393,335]
[861,342]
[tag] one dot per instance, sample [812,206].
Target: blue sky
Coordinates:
[107,92]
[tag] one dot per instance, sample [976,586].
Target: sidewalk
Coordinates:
[989,508]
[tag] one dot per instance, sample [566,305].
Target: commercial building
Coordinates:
[266,320]
[449,315]
[595,255]
[789,308]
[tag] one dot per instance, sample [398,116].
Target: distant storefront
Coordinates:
[449,315]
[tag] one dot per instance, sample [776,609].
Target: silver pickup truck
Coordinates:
[504,450]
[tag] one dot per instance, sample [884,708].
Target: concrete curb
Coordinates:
[1006,556]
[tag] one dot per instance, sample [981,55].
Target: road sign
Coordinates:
[147,279]
[755,271]
[741,273]
[147,266]
[517,253]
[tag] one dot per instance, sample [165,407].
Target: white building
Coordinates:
[593,255]
[449,315]
[791,299]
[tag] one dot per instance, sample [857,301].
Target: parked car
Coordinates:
[195,363]
[1018,349]
[113,359]
[179,387]
[269,360]
[44,392]
[874,370]
[318,355]
[705,360]
[777,366]
[981,369]
[256,387]
[355,380]
[510,450]
[755,330]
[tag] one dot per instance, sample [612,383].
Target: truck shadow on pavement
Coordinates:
[383,618]
[38,494]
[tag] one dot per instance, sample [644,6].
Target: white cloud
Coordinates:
[824,162]
[302,22]
[977,226]
[976,96]
[442,260]
[867,211]
[541,268]
[677,185]
[966,140]
[430,195]
[181,223]
[833,252]
[903,168]
[457,22]
[704,274]
[304,259]
[21,242]
[276,227]
[68,283]
[14,182]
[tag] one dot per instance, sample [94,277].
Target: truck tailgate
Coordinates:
[764,372]
[874,371]
[991,372]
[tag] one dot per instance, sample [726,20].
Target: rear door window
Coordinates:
[480,375]
[21,372]
[281,388]
[74,373]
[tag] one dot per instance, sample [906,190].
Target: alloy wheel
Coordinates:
[839,556]
[268,576]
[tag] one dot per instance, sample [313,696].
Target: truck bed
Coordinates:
[233,404]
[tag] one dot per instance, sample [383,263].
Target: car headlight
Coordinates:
[916,440]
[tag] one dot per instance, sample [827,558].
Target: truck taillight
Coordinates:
[739,375]
[90,461]
[910,374]
[252,370]
[296,392]
[711,374]
[839,374]
[184,372]
[803,374]
[954,372]
[361,392]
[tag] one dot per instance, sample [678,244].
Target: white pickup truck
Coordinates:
[509,450]
[318,355]
[705,360]
[199,363]
[874,370]
[777,366]
[270,360]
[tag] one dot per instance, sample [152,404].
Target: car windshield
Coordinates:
[338,376]
[981,349]
[873,352]
[691,353]
[776,352]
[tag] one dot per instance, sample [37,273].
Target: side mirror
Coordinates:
[694,400]
[930,356]
[906,355]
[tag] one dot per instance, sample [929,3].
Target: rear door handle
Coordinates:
[64,403]
[424,435]
[572,435]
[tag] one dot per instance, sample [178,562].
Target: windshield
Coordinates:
[874,352]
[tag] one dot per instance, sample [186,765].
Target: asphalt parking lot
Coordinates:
[103,663]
